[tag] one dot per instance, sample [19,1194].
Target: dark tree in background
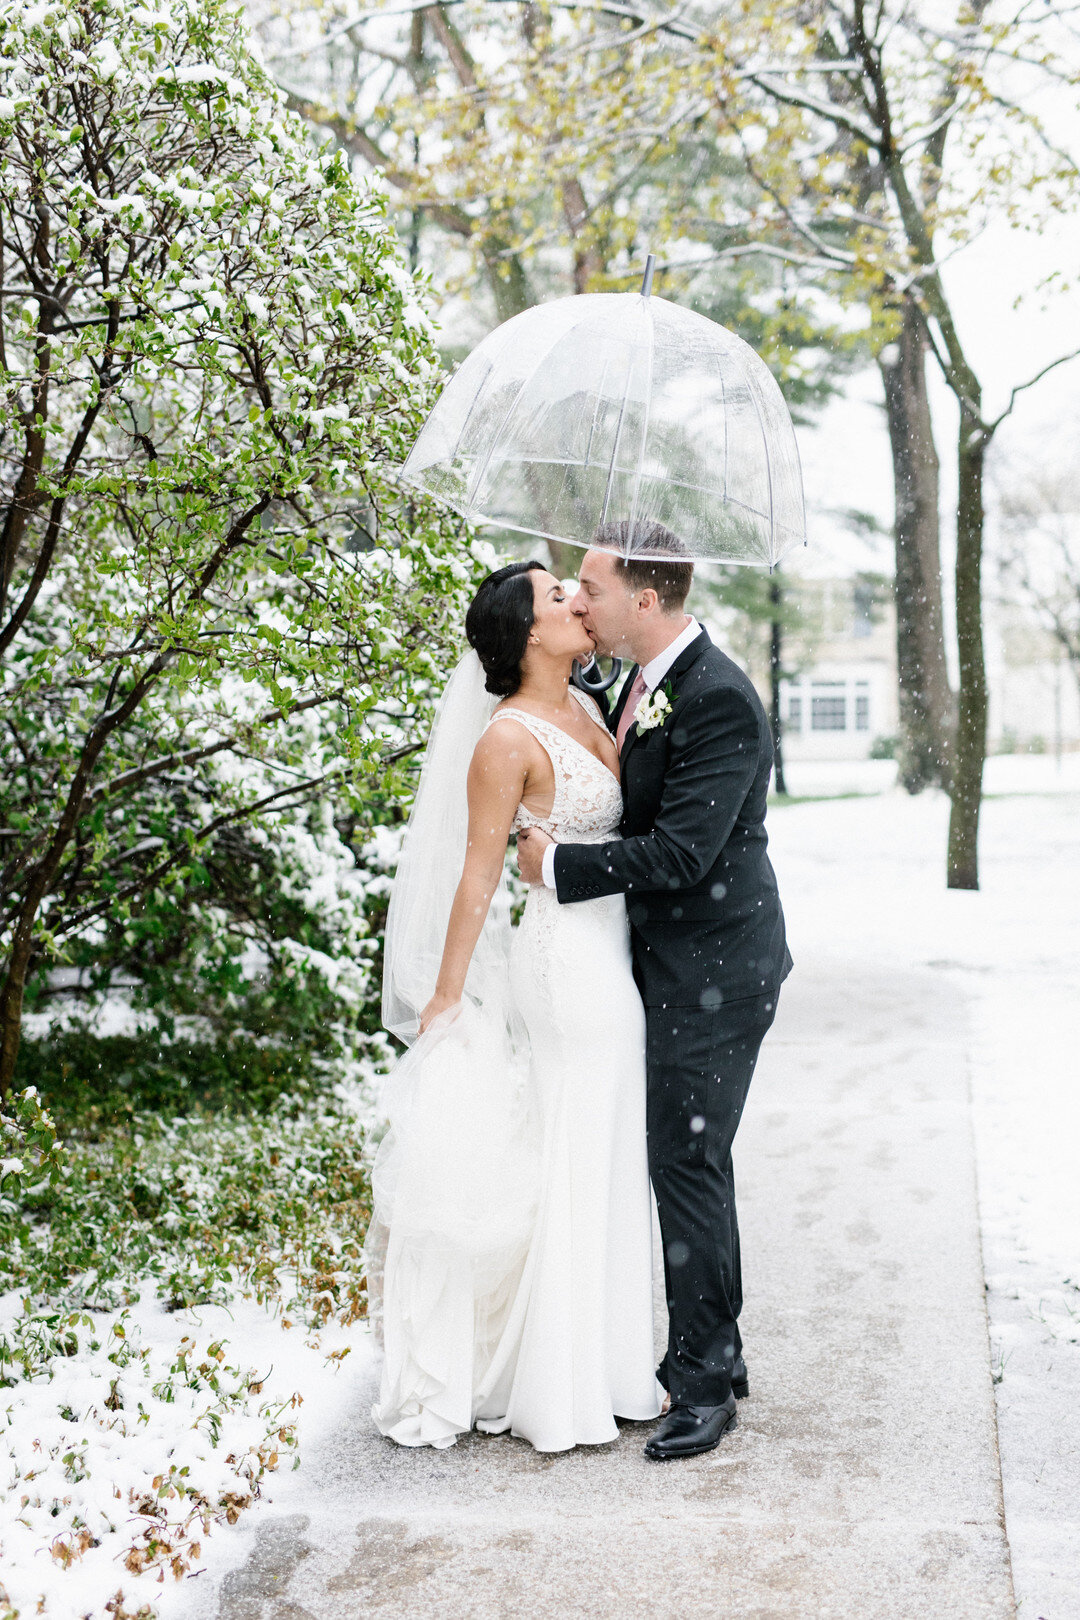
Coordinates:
[927,703]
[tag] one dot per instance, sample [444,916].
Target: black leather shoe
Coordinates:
[687,1431]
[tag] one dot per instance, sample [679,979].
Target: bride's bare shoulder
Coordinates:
[508,744]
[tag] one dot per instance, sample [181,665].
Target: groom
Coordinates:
[708,942]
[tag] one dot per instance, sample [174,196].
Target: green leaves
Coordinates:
[31,1158]
[203,1209]
[186,617]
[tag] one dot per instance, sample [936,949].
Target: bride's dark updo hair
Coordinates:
[498,622]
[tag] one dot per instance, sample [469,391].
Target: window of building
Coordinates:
[828,706]
[862,706]
[794,712]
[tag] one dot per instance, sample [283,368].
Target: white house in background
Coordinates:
[845,700]
[1034,698]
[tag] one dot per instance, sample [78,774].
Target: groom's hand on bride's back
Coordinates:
[531,845]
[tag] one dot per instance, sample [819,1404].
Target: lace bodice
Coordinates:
[588,800]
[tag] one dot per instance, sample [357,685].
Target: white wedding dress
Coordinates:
[516,1275]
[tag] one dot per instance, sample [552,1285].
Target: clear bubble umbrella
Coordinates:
[620,410]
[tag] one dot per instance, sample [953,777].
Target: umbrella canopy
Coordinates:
[618,409]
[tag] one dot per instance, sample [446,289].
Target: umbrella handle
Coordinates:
[594,688]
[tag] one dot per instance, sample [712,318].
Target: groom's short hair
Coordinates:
[670,580]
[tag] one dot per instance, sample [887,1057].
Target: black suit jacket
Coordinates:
[705,914]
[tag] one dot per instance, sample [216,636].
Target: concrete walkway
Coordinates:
[862,1482]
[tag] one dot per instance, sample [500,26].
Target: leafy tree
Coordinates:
[481,117]
[257,974]
[536,151]
[927,702]
[850,146]
[880,138]
[214,603]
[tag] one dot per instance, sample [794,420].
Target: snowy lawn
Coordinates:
[863,881]
[169,1301]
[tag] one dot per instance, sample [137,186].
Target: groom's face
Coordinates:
[607,608]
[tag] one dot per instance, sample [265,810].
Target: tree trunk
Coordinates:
[587,262]
[927,718]
[506,278]
[970,754]
[565,558]
[776,675]
[12,995]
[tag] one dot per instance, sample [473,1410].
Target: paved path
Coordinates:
[862,1482]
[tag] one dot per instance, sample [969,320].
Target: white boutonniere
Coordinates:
[654,710]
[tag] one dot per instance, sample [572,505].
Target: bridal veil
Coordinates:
[455,1176]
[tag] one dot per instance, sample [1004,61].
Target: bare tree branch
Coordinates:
[1061,360]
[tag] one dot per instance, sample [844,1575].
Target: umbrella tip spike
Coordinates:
[646,280]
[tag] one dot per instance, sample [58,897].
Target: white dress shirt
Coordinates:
[652,673]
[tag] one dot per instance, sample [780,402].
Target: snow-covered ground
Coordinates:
[864,877]
[1005,773]
[156,1420]
[863,881]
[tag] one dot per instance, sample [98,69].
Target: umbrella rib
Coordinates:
[592,424]
[582,545]
[631,533]
[475,481]
[751,390]
[615,450]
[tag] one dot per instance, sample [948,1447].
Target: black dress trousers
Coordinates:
[700,1064]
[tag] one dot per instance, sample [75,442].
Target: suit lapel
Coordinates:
[688,656]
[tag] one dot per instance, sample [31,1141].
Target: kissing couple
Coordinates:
[610,1037]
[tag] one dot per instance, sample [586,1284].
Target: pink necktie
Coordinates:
[626,719]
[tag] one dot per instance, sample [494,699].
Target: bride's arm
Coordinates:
[497,776]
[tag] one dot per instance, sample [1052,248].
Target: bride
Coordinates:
[510,1248]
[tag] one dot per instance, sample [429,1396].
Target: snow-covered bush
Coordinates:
[214,602]
[122,1454]
[122,1457]
[258,975]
